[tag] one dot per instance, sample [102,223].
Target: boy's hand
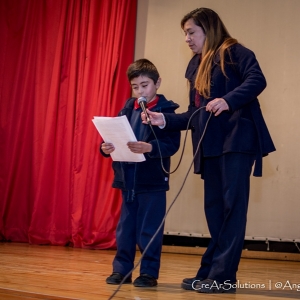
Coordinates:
[107,148]
[139,147]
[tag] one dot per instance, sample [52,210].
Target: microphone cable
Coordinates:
[172,203]
[184,142]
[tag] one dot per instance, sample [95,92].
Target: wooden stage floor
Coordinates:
[59,273]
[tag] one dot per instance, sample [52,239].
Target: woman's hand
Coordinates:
[155,118]
[217,106]
[107,148]
[139,147]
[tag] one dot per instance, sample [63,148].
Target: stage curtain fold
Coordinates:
[61,63]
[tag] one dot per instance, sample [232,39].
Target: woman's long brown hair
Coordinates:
[218,41]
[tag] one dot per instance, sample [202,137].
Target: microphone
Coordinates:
[142,101]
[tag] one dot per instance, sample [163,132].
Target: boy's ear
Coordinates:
[158,82]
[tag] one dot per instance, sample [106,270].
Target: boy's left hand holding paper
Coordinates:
[139,147]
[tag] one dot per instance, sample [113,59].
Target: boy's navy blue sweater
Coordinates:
[149,175]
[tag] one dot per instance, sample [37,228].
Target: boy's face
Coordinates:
[144,86]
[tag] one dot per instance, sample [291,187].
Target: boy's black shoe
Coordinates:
[190,283]
[116,278]
[210,286]
[145,280]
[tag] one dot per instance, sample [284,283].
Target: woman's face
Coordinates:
[194,36]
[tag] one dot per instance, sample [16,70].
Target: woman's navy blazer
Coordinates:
[241,129]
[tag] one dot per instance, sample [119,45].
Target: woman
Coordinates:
[226,78]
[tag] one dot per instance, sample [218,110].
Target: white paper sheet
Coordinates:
[117,130]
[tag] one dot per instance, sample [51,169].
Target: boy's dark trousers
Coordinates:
[141,215]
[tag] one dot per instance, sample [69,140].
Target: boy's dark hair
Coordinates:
[142,67]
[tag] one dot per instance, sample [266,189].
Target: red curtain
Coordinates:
[61,63]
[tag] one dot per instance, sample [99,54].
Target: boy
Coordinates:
[143,184]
